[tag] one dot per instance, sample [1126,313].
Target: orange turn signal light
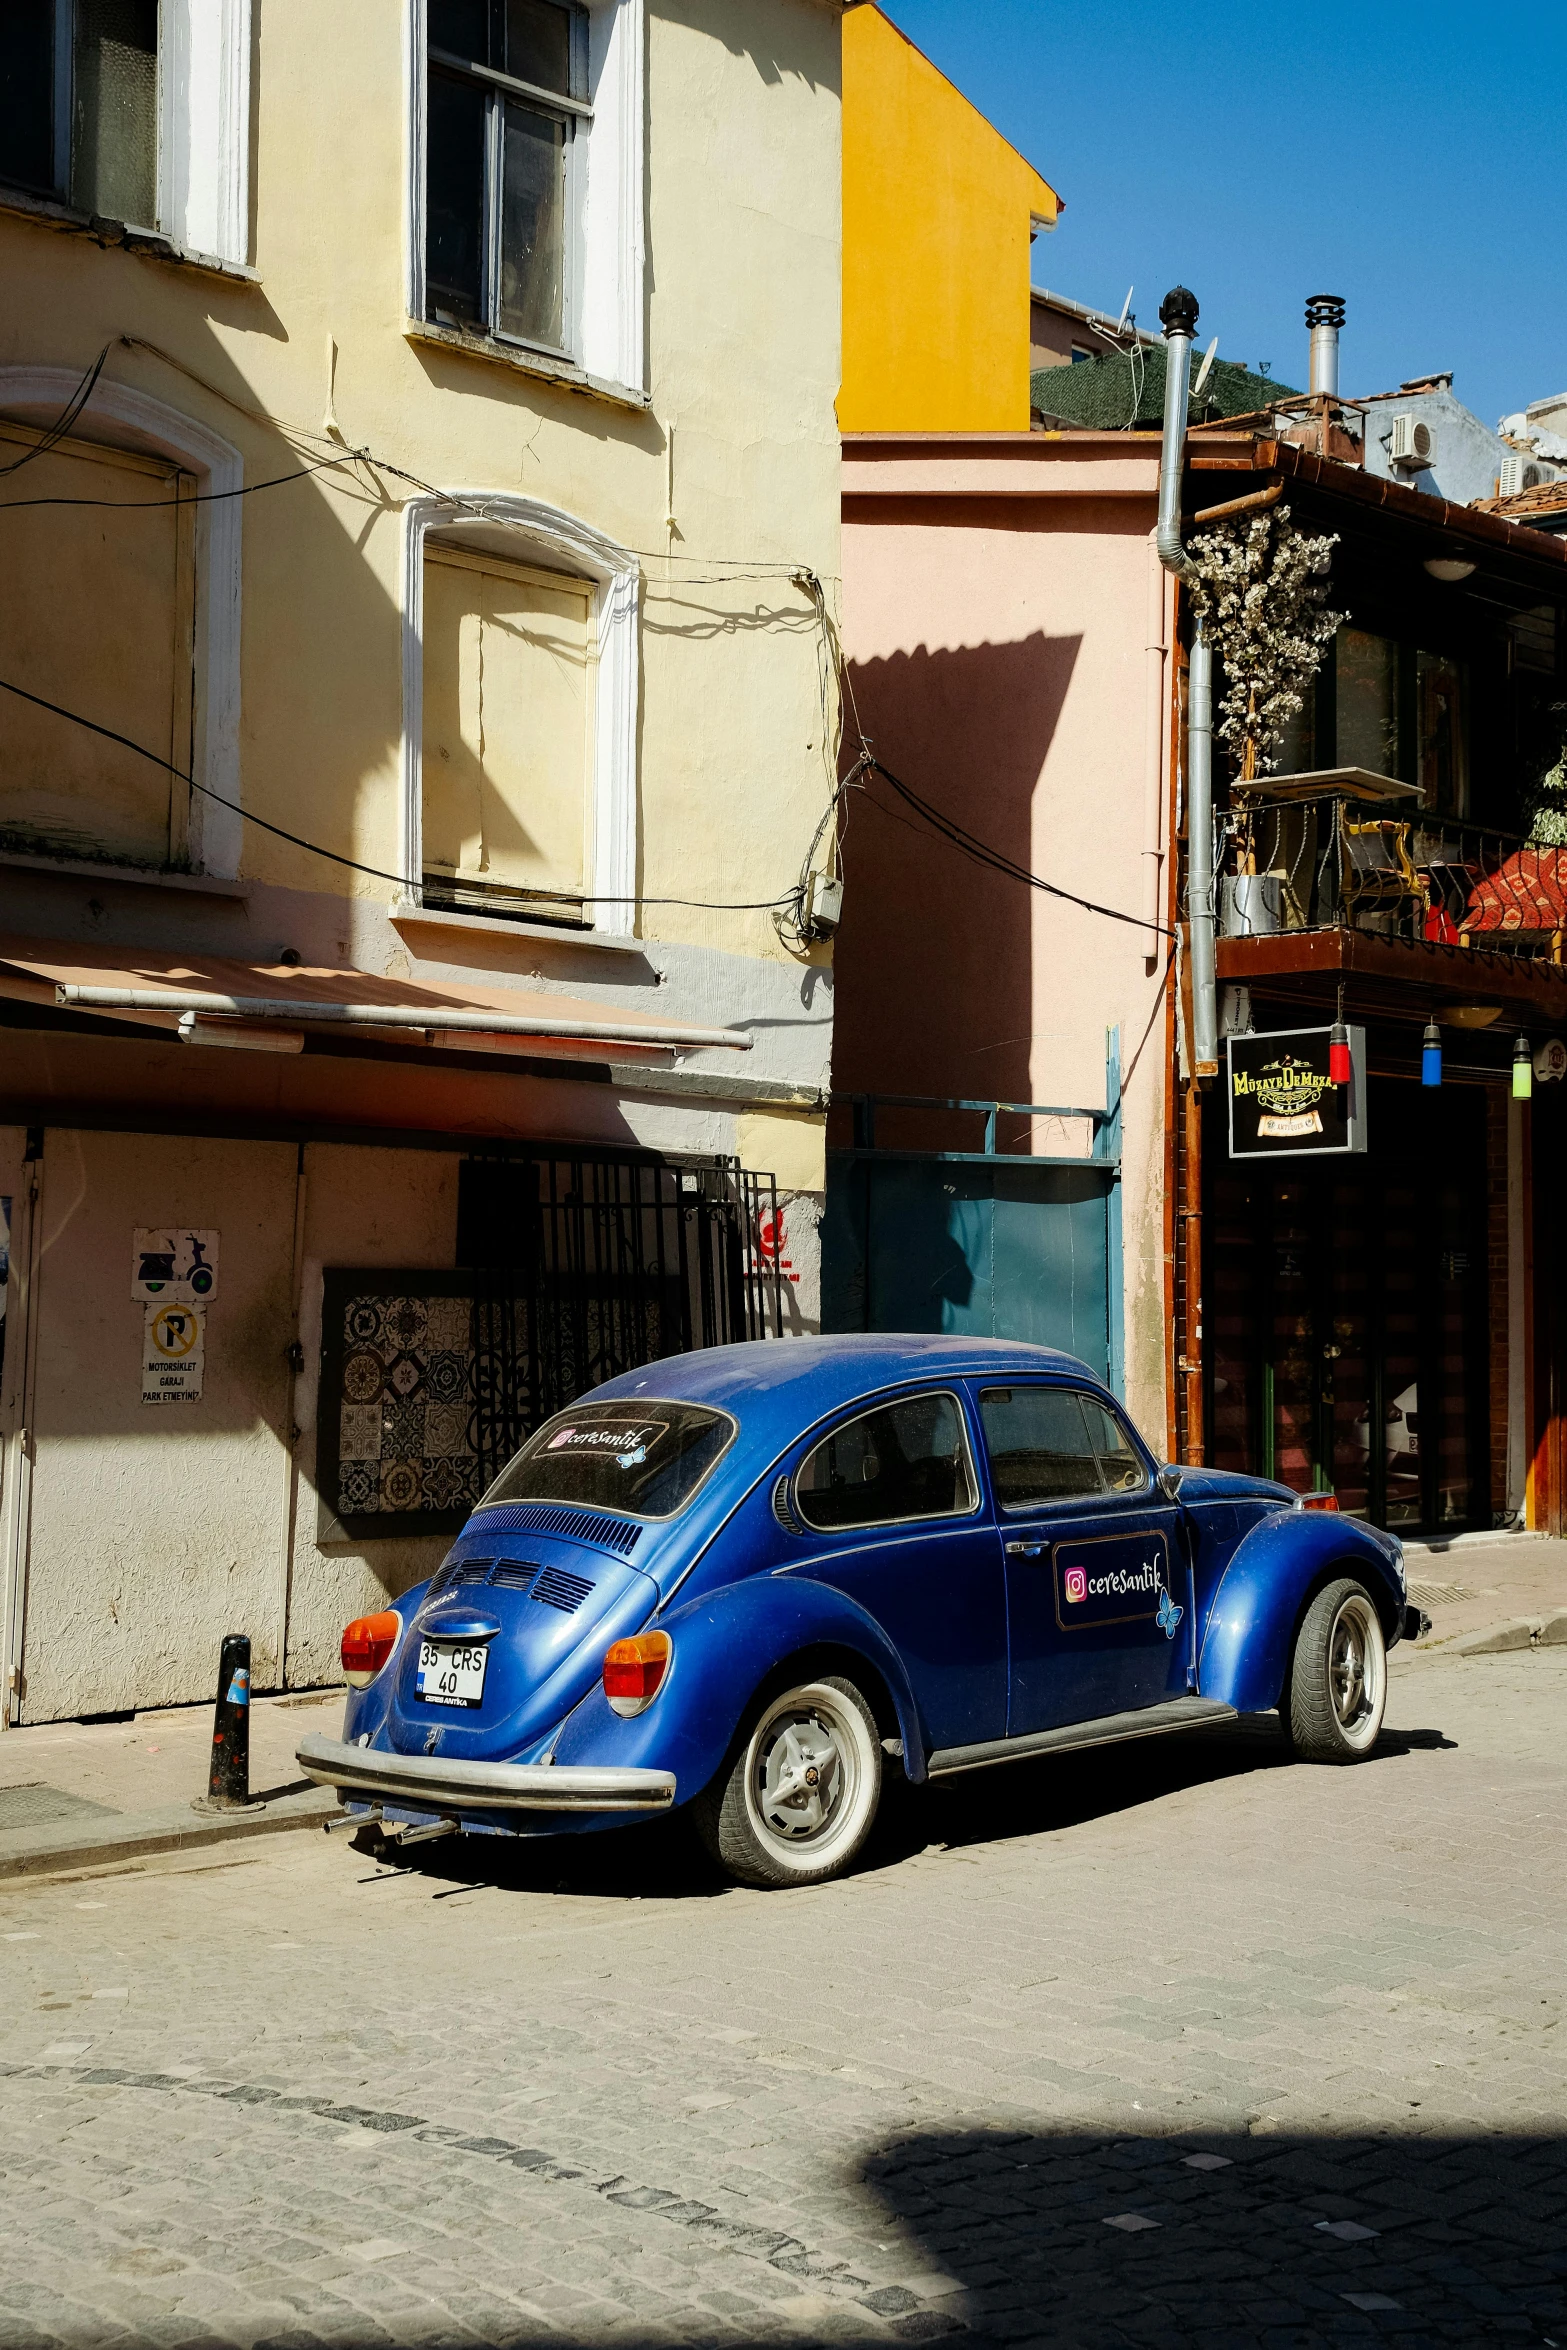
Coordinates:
[367,1644]
[635,1670]
[1319,1501]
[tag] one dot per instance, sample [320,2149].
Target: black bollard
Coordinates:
[228,1781]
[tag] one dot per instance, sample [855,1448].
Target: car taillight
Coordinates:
[634,1671]
[1319,1501]
[367,1644]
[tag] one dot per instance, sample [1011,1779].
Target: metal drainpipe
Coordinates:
[1178,315]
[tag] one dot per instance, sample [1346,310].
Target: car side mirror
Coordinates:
[1170,1484]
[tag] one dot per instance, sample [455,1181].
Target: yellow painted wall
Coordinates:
[736,758]
[937,212]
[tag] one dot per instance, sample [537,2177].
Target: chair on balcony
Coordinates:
[1378,875]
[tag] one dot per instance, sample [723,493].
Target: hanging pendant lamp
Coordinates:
[1523,1070]
[1431,1055]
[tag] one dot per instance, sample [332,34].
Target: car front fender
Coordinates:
[726,1645]
[1264,1591]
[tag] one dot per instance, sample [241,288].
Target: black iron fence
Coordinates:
[589,1265]
[1333,862]
[572,1268]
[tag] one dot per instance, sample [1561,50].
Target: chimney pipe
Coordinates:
[1324,316]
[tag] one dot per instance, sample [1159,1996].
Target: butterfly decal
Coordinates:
[1169,1615]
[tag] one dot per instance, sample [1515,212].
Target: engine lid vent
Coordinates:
[556,1588]
[548,1517]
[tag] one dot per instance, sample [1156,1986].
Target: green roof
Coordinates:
[1101,395]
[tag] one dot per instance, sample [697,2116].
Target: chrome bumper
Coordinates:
[432,1783]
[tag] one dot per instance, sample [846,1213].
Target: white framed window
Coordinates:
[520,691]
[526,202]
[133,110]
[172,600]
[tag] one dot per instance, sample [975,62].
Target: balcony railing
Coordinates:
[1334,863]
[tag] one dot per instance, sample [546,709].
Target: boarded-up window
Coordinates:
[508,675]
[96,614]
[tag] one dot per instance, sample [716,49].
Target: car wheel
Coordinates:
[1338,1677]
[800,1797]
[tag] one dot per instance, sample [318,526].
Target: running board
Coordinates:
[1149,1721]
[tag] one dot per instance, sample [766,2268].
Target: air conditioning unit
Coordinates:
[1522,473]
[1413,444]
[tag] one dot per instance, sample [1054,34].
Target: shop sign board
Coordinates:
[1283,1103]
[170,1265]
[173,1354]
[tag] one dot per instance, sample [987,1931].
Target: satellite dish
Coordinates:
[1206,368]
[1126,306]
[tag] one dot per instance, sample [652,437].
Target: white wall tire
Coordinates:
[1338,1677]
[802,1793]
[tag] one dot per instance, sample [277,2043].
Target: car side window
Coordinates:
[904,1460]
[1040,1444]
[1119,1465]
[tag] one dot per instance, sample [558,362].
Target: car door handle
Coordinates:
[1027,1550]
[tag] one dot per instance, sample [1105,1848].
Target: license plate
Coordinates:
[451,1672]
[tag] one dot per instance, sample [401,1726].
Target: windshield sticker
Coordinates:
[627,1447]
[1115,1579]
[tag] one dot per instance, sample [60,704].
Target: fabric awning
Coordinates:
[213,999]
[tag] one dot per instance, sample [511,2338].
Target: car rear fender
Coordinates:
[727,1645]
[366,1709]
[1270,1581]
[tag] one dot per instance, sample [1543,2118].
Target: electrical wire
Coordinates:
[375,872]
[983,853]
[197,497]
[68,416]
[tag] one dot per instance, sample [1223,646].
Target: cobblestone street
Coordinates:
[1174,2046]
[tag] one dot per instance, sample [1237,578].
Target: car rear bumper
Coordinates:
[431,1782]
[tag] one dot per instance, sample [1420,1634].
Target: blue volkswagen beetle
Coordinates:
[744,1579]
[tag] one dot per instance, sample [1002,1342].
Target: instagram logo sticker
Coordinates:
[1076,1583]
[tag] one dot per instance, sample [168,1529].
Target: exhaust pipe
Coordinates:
[1178,316]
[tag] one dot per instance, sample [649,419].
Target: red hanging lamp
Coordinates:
[1339,1063]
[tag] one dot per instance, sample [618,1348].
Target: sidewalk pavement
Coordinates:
[1477,1584]
[88,1794]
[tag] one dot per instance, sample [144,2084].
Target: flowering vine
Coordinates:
[1259,590]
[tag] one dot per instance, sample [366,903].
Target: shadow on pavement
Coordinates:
[1229,2240]
[663,1860]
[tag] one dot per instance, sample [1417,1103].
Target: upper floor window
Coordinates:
[507,102]
[134,111]
[79,105]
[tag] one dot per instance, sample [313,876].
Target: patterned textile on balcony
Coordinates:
[1527,892]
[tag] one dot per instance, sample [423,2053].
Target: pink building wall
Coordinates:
[1000,595]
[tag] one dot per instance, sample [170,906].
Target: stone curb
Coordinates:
[174,1827]
[1517,1632]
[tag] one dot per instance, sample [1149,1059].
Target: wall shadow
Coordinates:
[1229,2238]
[934,957]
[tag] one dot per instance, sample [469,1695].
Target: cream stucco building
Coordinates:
[421,494]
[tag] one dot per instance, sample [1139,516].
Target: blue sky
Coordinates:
[1411,158]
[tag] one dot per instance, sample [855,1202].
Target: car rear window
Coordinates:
[645,1459]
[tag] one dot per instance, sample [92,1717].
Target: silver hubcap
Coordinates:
[1355,1669]
[805,1772]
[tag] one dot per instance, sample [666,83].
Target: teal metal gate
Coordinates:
[984,1242]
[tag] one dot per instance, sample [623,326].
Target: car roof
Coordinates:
[778,1386]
